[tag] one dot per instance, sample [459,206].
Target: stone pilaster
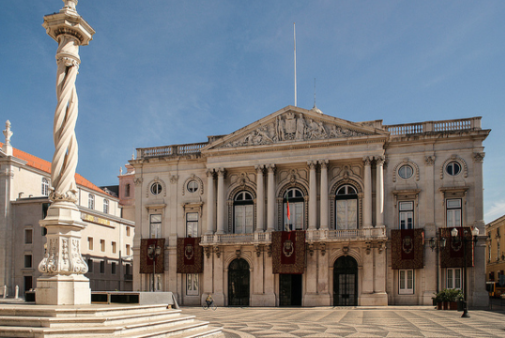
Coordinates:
[324,195]
[312,196]
[380,191]
[220,200]
[211,226]
[271,198]
[260,201]
[367,198]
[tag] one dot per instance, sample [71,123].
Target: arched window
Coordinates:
[45,187]
[294,210]
[106,206]
[91,201]
[243,210]
[346,204]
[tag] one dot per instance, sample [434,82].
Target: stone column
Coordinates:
[324,194]
[260,200]
[380,191]
[478,273]
[271,198]
[63,281]
[220,201]
[211,226]
[312,195]
[367,198]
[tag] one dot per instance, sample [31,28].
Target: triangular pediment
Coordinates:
[294,124]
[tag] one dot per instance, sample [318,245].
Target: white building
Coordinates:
[366,197]
[24,189]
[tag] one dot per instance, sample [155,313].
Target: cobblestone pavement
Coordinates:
[393,321]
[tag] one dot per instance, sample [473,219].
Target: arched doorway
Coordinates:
[345,282]
[238,283]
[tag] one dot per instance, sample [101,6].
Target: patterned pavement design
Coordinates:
[392,321]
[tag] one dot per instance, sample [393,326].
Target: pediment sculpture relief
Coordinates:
[292,127]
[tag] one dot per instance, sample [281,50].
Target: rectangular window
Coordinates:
[28,236]
[90,265]
[347,214]
[155,226]
[454,278]
[128,231]
[192,284]
[28,261]
[453,213]
[295,222]
[128,269]
[406,215]
[192,224]
[406,282]
[244,219]
[28,283]
[128,250]
[102,266]
[102,245]
[113,247]
[90,243]
[127,190]
[113,268]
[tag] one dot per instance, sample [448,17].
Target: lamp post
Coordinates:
[153,251]
[456,239]
[437,243]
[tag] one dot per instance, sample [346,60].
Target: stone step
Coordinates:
[102,321]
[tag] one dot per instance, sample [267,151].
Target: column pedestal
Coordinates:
[63,290]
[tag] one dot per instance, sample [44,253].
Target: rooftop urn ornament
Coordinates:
[63,281]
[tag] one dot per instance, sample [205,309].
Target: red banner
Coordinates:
[288,252]
[189,255]
[146,264]
[407,249]
[452,256]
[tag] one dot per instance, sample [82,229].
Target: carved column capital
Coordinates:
[479,157]
[221,172]
[210,172]
[271,168]
[323,163]
[312,165]
[367,160]
[379,160]
[260,168]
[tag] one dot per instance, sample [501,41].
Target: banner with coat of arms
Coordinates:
[453,255]
[189,255]
[407,249]
[146,264]
[288,252]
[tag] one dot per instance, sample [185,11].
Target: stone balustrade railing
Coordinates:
[173,150]
[318,235]
[434,126]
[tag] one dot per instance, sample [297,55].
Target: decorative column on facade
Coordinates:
[379,161]
[7,148]
[312,195]
[367,198]
[478,159]
[211,226]
[63,281]
[271,198]
[324,194]
[220,200]
[260,201]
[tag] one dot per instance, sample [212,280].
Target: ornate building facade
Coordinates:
[302,208]
[495,252]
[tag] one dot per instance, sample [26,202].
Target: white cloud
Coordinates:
[496,210]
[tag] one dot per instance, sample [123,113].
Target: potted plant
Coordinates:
[447,299]
[438,299]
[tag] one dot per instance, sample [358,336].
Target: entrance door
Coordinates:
[345,282]
[238,283]
[290,290]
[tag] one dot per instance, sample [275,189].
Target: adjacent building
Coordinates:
[495,252]
[24,189]
[305,209]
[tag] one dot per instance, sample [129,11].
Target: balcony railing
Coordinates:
[319,235]
[173,150]
[434,126]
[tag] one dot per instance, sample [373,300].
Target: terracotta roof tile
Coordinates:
[38,163]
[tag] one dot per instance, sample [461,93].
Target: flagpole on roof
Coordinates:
[294,36]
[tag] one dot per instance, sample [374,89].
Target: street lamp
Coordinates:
[437,243]
[456,240]
[153,252]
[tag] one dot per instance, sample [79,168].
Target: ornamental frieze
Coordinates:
[292,127]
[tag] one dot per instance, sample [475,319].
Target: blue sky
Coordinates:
[169,72]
